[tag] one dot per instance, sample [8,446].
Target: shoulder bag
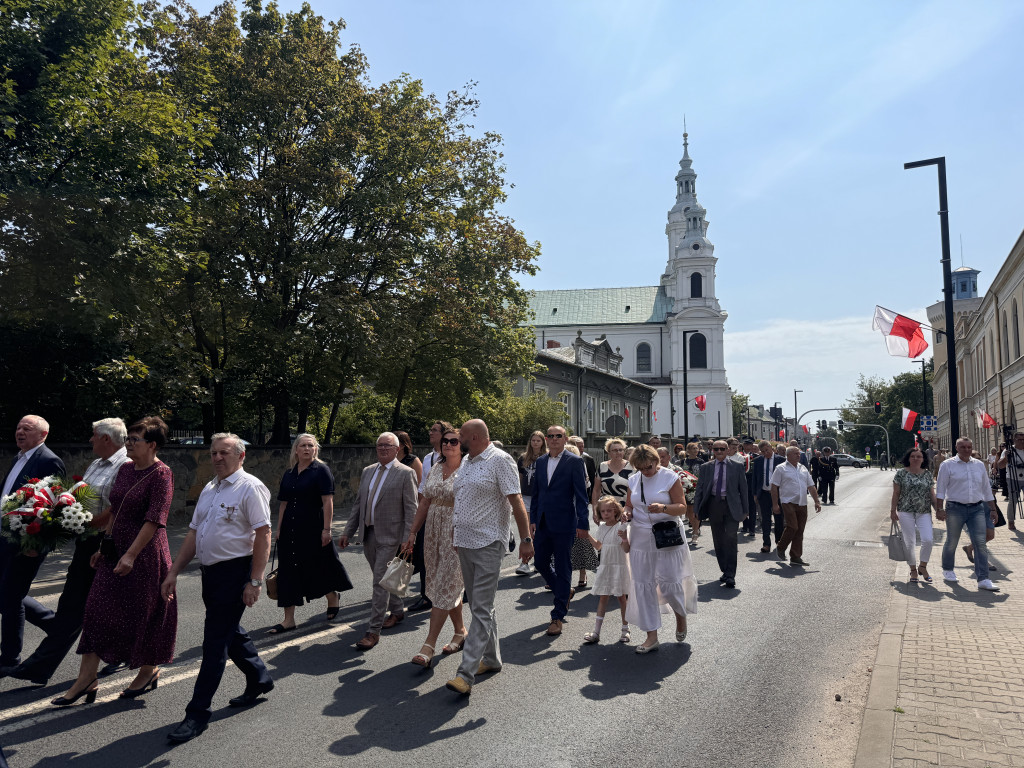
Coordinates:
[397,576]
[271,581]
[666,533]
[896,551]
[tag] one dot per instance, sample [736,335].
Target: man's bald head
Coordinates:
[475,436]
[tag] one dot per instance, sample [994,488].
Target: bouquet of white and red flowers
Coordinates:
[44,514]
[689,484]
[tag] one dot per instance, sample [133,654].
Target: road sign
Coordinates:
[615,425]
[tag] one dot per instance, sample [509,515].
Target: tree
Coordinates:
[739,413]
[513,419]
[904,390]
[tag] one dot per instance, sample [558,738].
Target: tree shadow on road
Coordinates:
[615,669]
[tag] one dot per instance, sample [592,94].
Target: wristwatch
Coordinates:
[256,582]
[527,540]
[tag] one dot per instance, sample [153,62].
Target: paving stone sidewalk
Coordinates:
[947,688]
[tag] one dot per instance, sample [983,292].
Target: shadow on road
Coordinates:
[617,670]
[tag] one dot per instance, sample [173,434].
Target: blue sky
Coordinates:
[800,117]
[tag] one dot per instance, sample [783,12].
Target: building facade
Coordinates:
[670,335]
[989,367]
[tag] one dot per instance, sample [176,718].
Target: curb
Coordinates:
[878,728]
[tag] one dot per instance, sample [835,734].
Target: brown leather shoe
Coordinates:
[392,619]
[555,627]
[369,640]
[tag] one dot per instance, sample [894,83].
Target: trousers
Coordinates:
[795,516]
[553,558]
[724,532]
[223,635]
[382,600]
[17,571]
[769,523]
[480,570]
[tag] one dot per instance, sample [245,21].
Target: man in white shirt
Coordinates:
[230,533]
[63,629]
[1012,460]
[486,497]
[790,483]
[964,499]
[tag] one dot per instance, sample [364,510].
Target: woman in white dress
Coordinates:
[662,579]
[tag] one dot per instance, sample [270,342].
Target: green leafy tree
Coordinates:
[739,413]
[904,390]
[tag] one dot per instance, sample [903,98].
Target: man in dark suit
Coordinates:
[824,471]
[558,516]
[722,497]
[761,477]
[18,569]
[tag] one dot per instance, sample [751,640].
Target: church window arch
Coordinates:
[698,351]
[643,357]
[696,285]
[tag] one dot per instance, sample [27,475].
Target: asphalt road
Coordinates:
[754,685]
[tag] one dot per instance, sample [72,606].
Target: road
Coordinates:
[754,685]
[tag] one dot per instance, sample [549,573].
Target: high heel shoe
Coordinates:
[332,610]
[455,645]
[131,693]
[423,659]
[89,692]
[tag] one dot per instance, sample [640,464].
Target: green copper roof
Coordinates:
[601,306]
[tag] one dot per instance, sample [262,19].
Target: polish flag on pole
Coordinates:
[701,401]
[805,429]
[782,433]
[626,412]
[909,417]
[984,420]
[903,336]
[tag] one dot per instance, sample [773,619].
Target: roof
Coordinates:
[601,306]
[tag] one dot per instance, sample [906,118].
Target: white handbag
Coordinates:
[398,575]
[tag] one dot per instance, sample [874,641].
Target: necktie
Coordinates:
[373,494]
[720,482]
[767,472]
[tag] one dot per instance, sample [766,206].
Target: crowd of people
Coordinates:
[452,513]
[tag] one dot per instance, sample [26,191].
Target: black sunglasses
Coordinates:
[449,441]
[556,437]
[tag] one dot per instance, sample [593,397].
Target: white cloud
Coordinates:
[824,358]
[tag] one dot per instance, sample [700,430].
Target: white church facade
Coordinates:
[649,325]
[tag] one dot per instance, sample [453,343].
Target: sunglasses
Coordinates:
[449,441]
[719,449]
[556,437]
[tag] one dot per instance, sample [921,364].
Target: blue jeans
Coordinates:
[973,516]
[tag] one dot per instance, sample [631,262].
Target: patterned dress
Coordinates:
[125,617]
[444,575]
[614,483]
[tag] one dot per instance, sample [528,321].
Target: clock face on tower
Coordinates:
[696,246]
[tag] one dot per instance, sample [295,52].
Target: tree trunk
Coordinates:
[281,434]
[302,419]
[329,433]
[399,397]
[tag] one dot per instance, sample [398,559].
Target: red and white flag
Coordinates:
[984,420]
[903,336]
[805,429]
[626,412]
[909,417]
[782,433]
[701,401]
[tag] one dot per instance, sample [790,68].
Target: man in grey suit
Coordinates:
[383,515]
[722,497]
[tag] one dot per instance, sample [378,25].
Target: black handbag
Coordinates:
[666,533]
[108,549]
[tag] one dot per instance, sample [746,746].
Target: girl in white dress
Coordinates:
[613,573]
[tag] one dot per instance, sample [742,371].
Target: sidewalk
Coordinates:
[947,687]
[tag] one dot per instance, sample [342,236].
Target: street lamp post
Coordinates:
[686,396]
[924,388]
[947,289]
[796,415]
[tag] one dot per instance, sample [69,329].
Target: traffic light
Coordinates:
[840,424]
[878,406]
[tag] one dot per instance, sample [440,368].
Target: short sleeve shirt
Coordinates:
[793,483]
[482,512]
[227,515]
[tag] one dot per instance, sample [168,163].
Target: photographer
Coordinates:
[1011,461]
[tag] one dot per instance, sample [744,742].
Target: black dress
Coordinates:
[307,570]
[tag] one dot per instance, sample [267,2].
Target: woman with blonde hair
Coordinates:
[308,565]
[535,448]
[613,474]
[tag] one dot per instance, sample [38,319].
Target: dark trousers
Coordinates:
[223,636]
[66,625]
[552,555]
[724,532]
[750,524]
[826,489]
[769,522]
[16,574]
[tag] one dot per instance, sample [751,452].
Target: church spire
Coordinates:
[687,223]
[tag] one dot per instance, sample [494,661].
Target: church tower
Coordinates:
[696,316]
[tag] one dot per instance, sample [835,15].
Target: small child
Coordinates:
[613,573]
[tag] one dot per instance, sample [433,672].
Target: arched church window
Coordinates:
[698,351]
[643,357]
[696,286]
[1016,331]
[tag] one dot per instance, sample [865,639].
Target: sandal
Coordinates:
[924,573]
[455,645]
[591,637]
[280,629]
[332,610]
[422,659]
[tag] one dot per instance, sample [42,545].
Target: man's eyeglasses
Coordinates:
[719,449]
[449,441]
[556,437]
[386,447]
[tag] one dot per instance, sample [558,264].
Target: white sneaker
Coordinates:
[949,576]
[987,584]
[525,569]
